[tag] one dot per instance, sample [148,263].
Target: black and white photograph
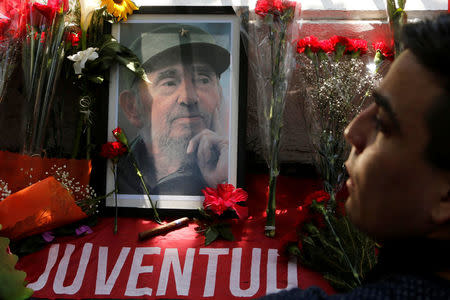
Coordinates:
[182,122]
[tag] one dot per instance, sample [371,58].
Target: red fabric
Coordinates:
[20,171]
[185,249]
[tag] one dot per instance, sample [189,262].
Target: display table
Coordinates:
[177,264]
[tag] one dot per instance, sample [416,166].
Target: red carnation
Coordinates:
[113,150]
[263,7]
[356,45]
[310,42]
[337,39]
[326,46]
[311,215]
[48,11]
[319,196]
[383,49]
[280,6]
[73,38]
[277,7]
[18,14]
[225,197]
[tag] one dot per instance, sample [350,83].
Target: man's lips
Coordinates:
[187,118]
[349,184]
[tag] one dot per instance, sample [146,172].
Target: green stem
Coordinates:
[144,186]
[76,145]
[271,205]
[83,40]
[88,139]
[275,123]
[115,197]
[338,240]
[79,129]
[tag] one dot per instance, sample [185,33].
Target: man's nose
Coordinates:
[187,91]
[358,131]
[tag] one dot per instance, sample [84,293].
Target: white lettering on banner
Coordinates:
[182,278]
[103,286]
[137,268]
[211,269]
[42,280]
[58,284]
[170,263]
[235,275]
[292,280]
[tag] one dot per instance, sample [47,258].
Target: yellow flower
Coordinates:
[119,8]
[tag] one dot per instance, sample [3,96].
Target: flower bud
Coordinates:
[120,136]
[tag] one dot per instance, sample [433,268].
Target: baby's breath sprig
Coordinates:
[4,190]
[85,196]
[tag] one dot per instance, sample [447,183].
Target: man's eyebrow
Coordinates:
[170,73]
[384,103]
[203,69]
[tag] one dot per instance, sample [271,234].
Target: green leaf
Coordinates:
[96,79]
[12,285]
[268,19]
[211,235]
[398,13]
[401,3]
[111,52]
[225,232]
[391,7]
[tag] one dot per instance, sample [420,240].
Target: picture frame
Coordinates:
[223,25]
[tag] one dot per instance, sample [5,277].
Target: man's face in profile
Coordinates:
[180,101]
[393,190]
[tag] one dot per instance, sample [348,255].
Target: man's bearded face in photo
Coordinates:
[180,101]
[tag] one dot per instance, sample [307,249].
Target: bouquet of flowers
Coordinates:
[338,85]
[220,205]
[46,35]
[12,31]
[42,57]
[44,199]
[92,53]
[330,244]
[270,38]
[112,151]
[41,192]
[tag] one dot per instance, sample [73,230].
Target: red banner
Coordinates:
[177,264]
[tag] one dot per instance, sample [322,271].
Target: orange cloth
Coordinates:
[19,171]
[38,208]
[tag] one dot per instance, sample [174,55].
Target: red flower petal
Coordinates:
[225,197]
[310,42]
[326,46]
[263,7]
[112,150]
[384,49]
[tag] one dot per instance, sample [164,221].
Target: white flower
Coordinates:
[81,57]
[87,8]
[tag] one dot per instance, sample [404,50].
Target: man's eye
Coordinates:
[202,79]
[168,83]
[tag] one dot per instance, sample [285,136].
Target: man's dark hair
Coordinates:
[429,41]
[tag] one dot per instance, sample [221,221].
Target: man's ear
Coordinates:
[129,105]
